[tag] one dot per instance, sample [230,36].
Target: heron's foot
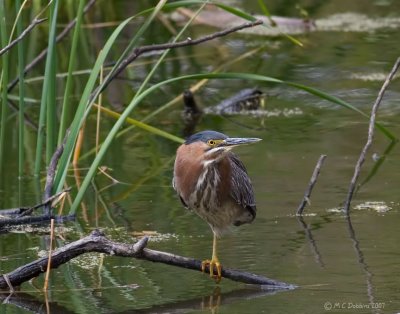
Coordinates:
[214,262]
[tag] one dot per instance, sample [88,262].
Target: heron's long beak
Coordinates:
[232,141]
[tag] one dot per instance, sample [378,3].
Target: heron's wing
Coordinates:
[241,187]
[180,196]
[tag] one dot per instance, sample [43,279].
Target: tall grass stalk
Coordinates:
[43,118]
[141,125]
[66,105]
[99,107]
[21,112]
[3,82]
[50,73]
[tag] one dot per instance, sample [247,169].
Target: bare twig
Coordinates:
[371,129]
[51,172]
[313,180]
[188,42]
[31,26]
[97,242]
[43,53]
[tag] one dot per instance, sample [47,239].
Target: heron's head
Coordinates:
[212,145]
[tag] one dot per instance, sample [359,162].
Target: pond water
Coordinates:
[339,265]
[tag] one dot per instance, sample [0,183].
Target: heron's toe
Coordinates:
[212,265]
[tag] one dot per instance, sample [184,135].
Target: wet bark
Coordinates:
[97,242]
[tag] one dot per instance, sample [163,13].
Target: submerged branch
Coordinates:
[371,130]
[313,180]
[51,172]
[97,242]
[27,220]
[24,211]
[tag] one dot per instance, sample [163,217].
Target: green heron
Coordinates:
[213,182]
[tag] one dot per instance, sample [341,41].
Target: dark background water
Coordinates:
[352,268]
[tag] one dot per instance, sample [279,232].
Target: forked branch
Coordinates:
[97,242]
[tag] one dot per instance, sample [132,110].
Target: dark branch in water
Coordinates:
[51,172]
[313,180]
[30,304]
[24,211]
[30,220]
[188,42]
[371,129]
[26,31]
[97,242]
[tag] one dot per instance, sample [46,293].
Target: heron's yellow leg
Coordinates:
[213,262]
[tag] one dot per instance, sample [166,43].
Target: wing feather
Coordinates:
[241,187]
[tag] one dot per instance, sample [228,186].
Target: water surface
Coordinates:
[340,266]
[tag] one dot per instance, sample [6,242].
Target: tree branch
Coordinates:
[188,42]
[26,31]
[313,180]
[51,172]
[97,242]
[371,129]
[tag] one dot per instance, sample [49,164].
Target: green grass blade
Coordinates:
[43,115]
[66,106]
[144,126]
[51,133]
[21,119]
[342,103]
[3,81]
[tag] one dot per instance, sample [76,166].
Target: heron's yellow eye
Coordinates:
[211,143]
